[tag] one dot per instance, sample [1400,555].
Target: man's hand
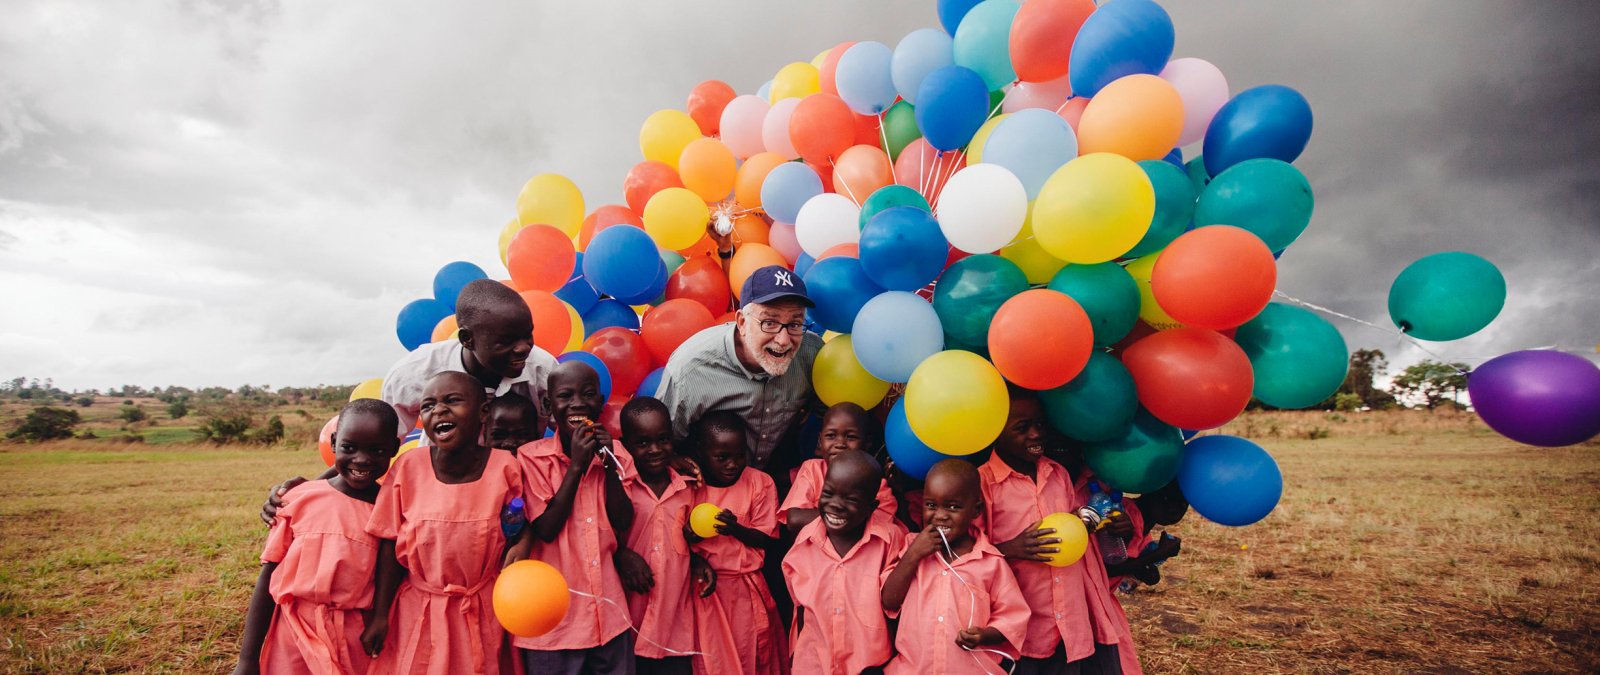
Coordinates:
[1031,545]
[269,510]
[634,571]
[700,572]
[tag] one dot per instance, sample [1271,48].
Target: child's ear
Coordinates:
[466,337]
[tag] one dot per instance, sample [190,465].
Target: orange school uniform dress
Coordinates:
[322,584]
[664,614]
[807,491]
[838,599]
[939,604]
[739,628]
[583,549]
[449,540]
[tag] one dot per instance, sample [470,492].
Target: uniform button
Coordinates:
[944,574]
[1056,581]
[1058,615]
[596,563]
[656,547]
[838,610]
[588,520]
[941,619]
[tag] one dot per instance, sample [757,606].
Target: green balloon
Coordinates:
[1198,178]
[888,197]
[1174,206]
[1141,461]
[1097,405]
[970,291]
[900,128]
[1446,296]
[1298,358]
[1266,196]
[672,260]
[1107,293]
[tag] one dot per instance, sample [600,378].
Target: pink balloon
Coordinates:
[1048,95]
[1203,90]
[922,168]
[1073,111]
[781,238]
[775,129]
[742,125]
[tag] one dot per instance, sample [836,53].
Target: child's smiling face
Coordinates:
[572,393]
[849,493]
[725,456]
[951,498]
[841,430]
[1021,441]
[452,410]
[648,437]
[362,448]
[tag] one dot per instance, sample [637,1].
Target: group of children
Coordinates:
[884,574]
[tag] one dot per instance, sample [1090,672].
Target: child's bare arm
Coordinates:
[899,582]
[728,524]
[797,518]
[386,583]
[256,621]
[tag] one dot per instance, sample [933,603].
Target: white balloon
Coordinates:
[827,220]
[982,208]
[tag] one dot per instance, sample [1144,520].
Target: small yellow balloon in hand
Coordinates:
[703,520]
[1074,538]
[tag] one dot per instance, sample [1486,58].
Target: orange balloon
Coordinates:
[552,325]
[828,72]
[1217,276]
[841,251]
[668,324]
[1042,33]
[1138,117]
[445,329]
[644,180]
[860,171]
[325,440]
[708,169]
[530,598]
[748,259]
[750,228]
[747,185]
[706,102]
[1040,339]
[701,280]
[604,217]
[1072,112]
[726,318]
[540,258]
[1191,378]
[512,285]
[821,127]
[706,247]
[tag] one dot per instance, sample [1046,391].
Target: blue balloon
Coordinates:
[1175,157]
[893,333]
[918,54]
[1031,144]
[651,384]
[954,103]
[1121,38]
[650,294]
[803,264]
[607,313]
[951,12]
[911,456]
[839,288]
[902,248]
[595,363]
[414,326]
[1271,121]
[1229,480]
[786,188]
[864,78]
[621,261]
[577,292]
[450,279]
[765,92]
[983,42]
[1189,433]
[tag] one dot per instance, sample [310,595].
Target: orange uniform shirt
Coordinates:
[981,592]
[843,629]
[807,490]
[662,615]
[322,584]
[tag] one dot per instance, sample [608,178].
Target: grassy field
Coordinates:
[1406,542]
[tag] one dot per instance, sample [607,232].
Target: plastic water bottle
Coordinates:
[1107,504]
[513,518]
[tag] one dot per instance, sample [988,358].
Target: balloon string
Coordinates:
[1403,337]
[629,620]
[846,183]
[1063,105]
[883,133]
[972,606]
[1001,102]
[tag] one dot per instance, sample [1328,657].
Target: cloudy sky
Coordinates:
[207,193]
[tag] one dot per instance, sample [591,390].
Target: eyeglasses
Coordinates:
[771,327]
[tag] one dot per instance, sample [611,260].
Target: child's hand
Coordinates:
[373,636]
[1031,545]
[926,542]
[1120,525]
[685,466]
[634,571]
[517,551]
[728,523]
[700,572]
[269,510]
[973,638]
[584,446]
[1168,547]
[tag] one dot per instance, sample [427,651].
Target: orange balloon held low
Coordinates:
[750,228]
[747,185]
[540,258]
[644,180]
[552,325]
[668,324]
[530,598]
[445,329]
[1217,277]
[704,247]
[1138,116]
[1040,339]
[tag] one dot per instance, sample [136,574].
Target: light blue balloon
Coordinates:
[864,78]
[765,92]
[787,188]
[920,53]
[1031,143]
[982,43]
[893,333]
[1121,38]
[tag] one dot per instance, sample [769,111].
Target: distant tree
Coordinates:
[46,423]
[85,401]
[271,433]
[1345,402]
[127,402]
[178,408]
[1365,367]
[225,422]
[1431,382]
[132,413]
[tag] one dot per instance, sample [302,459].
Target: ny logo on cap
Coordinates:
[782,277]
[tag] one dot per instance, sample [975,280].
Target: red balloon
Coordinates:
[841,251]
[668,324]
[325,439]
[1216,277]
[552,325]
[701,280]
[1040,339]
[624,354]
[540,258]
[604,217]
[827,75]
[867,131]
[1042,34]
[923,168]
[1191,378]
[611,415]
[706,102]
[644,180]
[821,127]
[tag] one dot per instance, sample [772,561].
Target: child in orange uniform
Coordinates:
[845,426]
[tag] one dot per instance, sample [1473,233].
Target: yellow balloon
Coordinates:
[551,199]
[676,218]
[839,377]
[1031,258]
[828,336]
[796,80]
[1094,209]
[506,233]
[703,520]
[368,389]
[665,134]
[1074,538]
[956,402]
[575,342]
[975,146]
[1149,312]
[821,56]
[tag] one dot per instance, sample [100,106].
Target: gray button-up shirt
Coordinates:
[705,374]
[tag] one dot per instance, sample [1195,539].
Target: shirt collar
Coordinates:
[1003,471]
[817,533]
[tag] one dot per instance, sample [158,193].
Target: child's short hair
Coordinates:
[514,401]
[482,296]
[718,421]
[640,406]
[1165,505]
[1016,393]
[363,407]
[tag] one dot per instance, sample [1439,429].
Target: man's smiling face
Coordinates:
[772,352]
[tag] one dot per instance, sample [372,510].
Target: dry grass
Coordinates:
[1405,542]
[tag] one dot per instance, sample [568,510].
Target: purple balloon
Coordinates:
[1538,397]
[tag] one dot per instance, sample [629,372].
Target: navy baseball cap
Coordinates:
[771,283]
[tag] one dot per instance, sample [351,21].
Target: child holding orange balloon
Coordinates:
[738,624]
[318,561]
[440,542]
[845,426]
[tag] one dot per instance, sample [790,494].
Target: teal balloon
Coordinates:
[1097,405]
[888,197]
[1266,196]
[899,128]
[1107,293]
[970,291]
[1144,459]
[1197,173]
[982,41]
[1174,206]
[1446,296]
[672,260]
[1299,359]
